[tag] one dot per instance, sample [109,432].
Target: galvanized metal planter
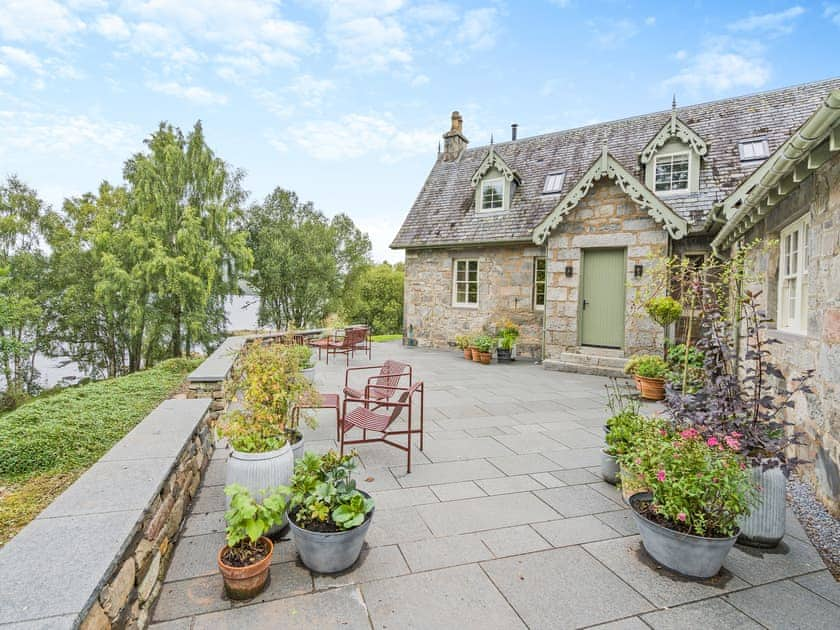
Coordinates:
[765,525]
[610,470]
[330,552]
[260,471]
[694,556]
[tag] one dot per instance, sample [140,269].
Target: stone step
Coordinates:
[593,360]
[583,368]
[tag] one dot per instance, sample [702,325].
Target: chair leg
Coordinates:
[337,423]
[408,467]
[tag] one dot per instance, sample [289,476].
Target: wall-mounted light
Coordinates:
[637,271]
[569,271]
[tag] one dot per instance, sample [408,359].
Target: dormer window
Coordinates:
[753,150]
[493,194]
[553,183]
[671,172]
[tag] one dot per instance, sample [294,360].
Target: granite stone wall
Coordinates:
[817,414]
[504,291]
[605,218]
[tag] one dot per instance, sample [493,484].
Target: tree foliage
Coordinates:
[302,260]
[375,297]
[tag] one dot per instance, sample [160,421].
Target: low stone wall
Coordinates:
[208,379]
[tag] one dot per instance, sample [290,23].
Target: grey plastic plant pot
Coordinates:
[694,556]
[765,525]
[259,472]
[330,552]
[609,468]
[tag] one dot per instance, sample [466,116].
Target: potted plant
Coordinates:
[474,352]
[484,345]
[262,427]
[507,333]
[664,310]
[649,372]
[463,343]
[328,516]
[699,489]
[622,427]
[245,560]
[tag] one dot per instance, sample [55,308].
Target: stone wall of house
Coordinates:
[505,286]
[817,414]
[605,218]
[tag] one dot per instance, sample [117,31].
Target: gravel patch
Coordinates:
[822,528]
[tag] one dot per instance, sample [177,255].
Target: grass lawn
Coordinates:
[386,337]
[47,443]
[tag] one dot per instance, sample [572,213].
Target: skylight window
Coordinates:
[753,150]
[554,182]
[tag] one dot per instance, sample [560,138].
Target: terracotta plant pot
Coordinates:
[651,388]
[485,357]
[468,354]
[474,353]
[246,582]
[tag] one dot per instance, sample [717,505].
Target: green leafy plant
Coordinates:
[324,495]
[248,520]
[699,485]
[269,380]
[647,366]
[462,341]
[625,422]
[303,355]
[664,310]
[685,364]
[507,333]
[484,343]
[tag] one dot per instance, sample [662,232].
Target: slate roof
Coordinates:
[444,211]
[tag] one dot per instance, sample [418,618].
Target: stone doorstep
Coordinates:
[583,368]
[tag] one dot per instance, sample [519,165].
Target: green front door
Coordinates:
[602,298]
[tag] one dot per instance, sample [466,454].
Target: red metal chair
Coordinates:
[367,419]
[324,401]
[390,374]
[353,338]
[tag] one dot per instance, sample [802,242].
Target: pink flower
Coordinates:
[661,475]
[681,517]
[712,441]
[688,433]
[732,443]
[663,432]
[743,465]
[638,461]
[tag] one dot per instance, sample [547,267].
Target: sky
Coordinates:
[344,102]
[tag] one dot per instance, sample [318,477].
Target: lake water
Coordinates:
[241,312]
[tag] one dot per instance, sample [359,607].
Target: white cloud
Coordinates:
[650,20]
[478,29]
[21,58]
[44,21]
[832,12]
[420,79]
[310,91]
[612,33]
[355,135]
[723,65]
[370,43]
[112,27]
[192,93]
[6,72]
[774,23]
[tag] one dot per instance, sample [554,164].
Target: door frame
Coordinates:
[583,251]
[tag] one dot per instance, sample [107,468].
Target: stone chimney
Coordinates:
[454,141]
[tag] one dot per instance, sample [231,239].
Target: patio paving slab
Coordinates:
[508,485]
[391,527]
[470,515]
[574,531]
[524,464]
[787,605]
[438,553]
[576,457]
[823,584]
[446,472]
[758,566]
[576,438]
[621,521]
[458,490]
[513,541]
[328,609]
[464,449]
[374,563]
[529,442]
[547,480]
[627,559]
[576,476]
[577,500]
[428,600]
[404,497]
[563,588]
[204,523]
[631,623]
[711,614]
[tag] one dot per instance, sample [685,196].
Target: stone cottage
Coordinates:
[557,231]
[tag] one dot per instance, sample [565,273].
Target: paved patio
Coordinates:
[503,523]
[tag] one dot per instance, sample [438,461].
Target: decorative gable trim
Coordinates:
[608,166]
[674,128]
[494,160]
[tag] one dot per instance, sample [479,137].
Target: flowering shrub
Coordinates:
[647,366]
[699,484]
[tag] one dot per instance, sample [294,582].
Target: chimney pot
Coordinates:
[454,141]
[513,128]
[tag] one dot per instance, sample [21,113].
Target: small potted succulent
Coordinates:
[698,491]
[507,333]
[484,345]
[245,560]
[329,517]
[263,430]
[463,344]
[649,372]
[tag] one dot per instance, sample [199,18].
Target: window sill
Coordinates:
[467,306]
[786,334]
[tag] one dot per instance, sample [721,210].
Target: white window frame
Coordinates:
[794,254]
[553,191]
[671,156]
[762,141]
[537,259]
[484,183]
[466,283]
